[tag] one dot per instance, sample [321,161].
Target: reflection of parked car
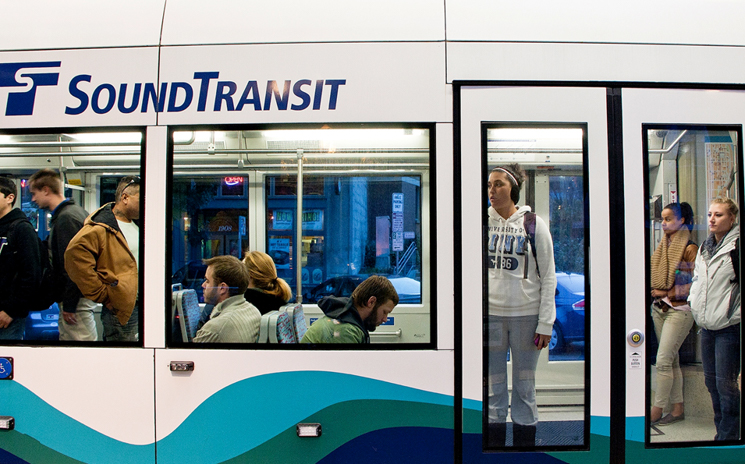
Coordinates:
[191,276]
[570,311]
[409,290]
[281,258]
[42,325]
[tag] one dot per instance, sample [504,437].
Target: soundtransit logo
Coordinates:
[29,76]
[101,97]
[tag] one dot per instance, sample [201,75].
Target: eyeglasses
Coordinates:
[134,180]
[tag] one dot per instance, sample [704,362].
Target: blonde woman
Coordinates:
[265,290]
[715,304]
[672,271]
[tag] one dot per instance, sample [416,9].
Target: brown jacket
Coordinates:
[100,263]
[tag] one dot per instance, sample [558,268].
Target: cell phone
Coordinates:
[535,342]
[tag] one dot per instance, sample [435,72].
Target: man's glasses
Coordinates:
[134,180]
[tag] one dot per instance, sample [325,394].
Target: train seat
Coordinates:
[186,312]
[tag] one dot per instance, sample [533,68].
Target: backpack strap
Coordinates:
[529,224]
[12,228]
[734,255]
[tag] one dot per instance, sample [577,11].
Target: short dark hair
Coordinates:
[682,211]
[8,187]
[46,178]
[379,287]
[125,182]
[515,173]
[230,270]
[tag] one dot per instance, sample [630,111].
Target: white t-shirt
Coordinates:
[132,236]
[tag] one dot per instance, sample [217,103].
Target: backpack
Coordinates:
[46,295]
[529,224]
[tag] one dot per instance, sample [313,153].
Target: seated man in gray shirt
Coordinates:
[233,320]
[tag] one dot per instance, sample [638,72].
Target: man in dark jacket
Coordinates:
[20,273]
[76,313]
[350,320]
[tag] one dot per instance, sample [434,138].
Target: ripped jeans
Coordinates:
[516,335]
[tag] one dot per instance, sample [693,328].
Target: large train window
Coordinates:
[363,212]
[693,331]
[536,306]
[90,291]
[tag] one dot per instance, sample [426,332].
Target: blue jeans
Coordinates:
[516,335]
[114,331]
[15,330]
[720,352]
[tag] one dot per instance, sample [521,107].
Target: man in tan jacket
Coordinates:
[103,260]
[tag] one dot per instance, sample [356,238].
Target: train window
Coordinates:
[60,178]
[693,332]
[363,212]
[535,304]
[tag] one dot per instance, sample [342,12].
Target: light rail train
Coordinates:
[352,139]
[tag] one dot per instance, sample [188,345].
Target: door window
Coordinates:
[534,301]
[693,328]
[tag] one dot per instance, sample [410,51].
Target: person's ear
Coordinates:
[371,302]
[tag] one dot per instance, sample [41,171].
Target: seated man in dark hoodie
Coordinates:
[350,320]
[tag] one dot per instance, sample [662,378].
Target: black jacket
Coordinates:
[342,309]
[263,301]
[20,273]
[66,221]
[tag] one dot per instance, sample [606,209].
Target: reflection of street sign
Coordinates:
[398,202]
[397,223]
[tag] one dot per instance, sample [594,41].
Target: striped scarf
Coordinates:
[666,259]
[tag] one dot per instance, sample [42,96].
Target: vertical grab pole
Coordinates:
[299,228]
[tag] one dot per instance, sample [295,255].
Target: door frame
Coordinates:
[616,211]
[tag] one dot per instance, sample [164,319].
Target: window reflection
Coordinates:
[694,329]
[535,276]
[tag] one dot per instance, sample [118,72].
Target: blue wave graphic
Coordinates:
[248,413]
[36,418]
[405,445]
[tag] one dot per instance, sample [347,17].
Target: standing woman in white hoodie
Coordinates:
[522,286]
[715,304]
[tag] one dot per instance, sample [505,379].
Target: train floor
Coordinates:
[699,415]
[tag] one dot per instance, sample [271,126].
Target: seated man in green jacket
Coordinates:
[350,320]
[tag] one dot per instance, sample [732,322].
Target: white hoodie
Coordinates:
[512,291]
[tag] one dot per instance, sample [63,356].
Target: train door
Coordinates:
[555,139]
[682,154]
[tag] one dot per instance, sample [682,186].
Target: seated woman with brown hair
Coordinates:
[265,290]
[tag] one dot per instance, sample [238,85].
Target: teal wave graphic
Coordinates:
[232,421]
[51,428]
[248,413]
